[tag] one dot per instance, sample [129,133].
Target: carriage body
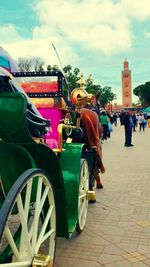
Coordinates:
[27,159]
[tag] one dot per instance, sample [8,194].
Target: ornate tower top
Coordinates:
[81,82]
[126,85]
[126,64]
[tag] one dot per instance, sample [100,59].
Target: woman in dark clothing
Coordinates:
[121,116]
[134,121]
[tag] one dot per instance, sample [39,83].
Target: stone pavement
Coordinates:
[117,232]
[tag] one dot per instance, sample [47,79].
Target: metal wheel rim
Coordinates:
[83,201]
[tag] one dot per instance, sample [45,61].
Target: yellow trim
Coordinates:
[2,188]
[37,140]
[41,261]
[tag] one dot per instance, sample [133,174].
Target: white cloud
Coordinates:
[147,34]
[98,25]
[39,48]
[138,9]
[8,34]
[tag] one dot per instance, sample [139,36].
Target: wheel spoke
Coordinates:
[46,191]
[82,199]
[26,209]
[45,237]
[48,234]
[82,209]
[27,199]
[11,242]
[36,215]
[43,198]
[17,264]
[82,196]
[47,219]
[25,233]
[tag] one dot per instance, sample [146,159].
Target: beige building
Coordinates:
[126,86]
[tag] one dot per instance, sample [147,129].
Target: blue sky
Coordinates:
[19,13]
[96,36]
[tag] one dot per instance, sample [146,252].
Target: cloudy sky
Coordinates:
[94,35]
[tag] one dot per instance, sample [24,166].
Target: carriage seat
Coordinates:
[38,126]
[54,115]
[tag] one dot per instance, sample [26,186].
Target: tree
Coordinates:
[143,92]
[30,64]
[49,67]
[54,67]
[24,64]
[91,88]
[71,76]
[106,95]
[37,63]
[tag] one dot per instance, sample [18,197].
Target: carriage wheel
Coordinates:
[82,199]
[25,238]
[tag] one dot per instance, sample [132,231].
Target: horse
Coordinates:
[92,132]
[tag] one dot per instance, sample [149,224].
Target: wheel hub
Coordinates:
[90,195]
[41,261]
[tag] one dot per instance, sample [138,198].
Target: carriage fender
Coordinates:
[70,160]
[14,160]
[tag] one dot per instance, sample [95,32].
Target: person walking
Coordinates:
[104,122]
[115,116]
[148,119]
[134,121]
[141,121]
[128,124]
[109,125]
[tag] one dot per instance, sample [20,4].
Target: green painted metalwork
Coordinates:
[70,160]
[19,152]
[14,160]
[18,141]
[13,123]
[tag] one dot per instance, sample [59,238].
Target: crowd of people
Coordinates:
[107,121]
[131,120]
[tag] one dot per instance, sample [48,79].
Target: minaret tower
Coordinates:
[126,86]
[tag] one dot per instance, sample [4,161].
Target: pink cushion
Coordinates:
[54,115]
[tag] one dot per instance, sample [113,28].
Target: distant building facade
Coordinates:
[126,86]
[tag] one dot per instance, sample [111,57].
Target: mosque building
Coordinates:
[126,86]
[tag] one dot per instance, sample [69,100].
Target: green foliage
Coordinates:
[106,95]
[91,88]
[71,76]
[54,67]
[143,92]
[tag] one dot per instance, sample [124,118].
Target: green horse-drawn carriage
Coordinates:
[44,191]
